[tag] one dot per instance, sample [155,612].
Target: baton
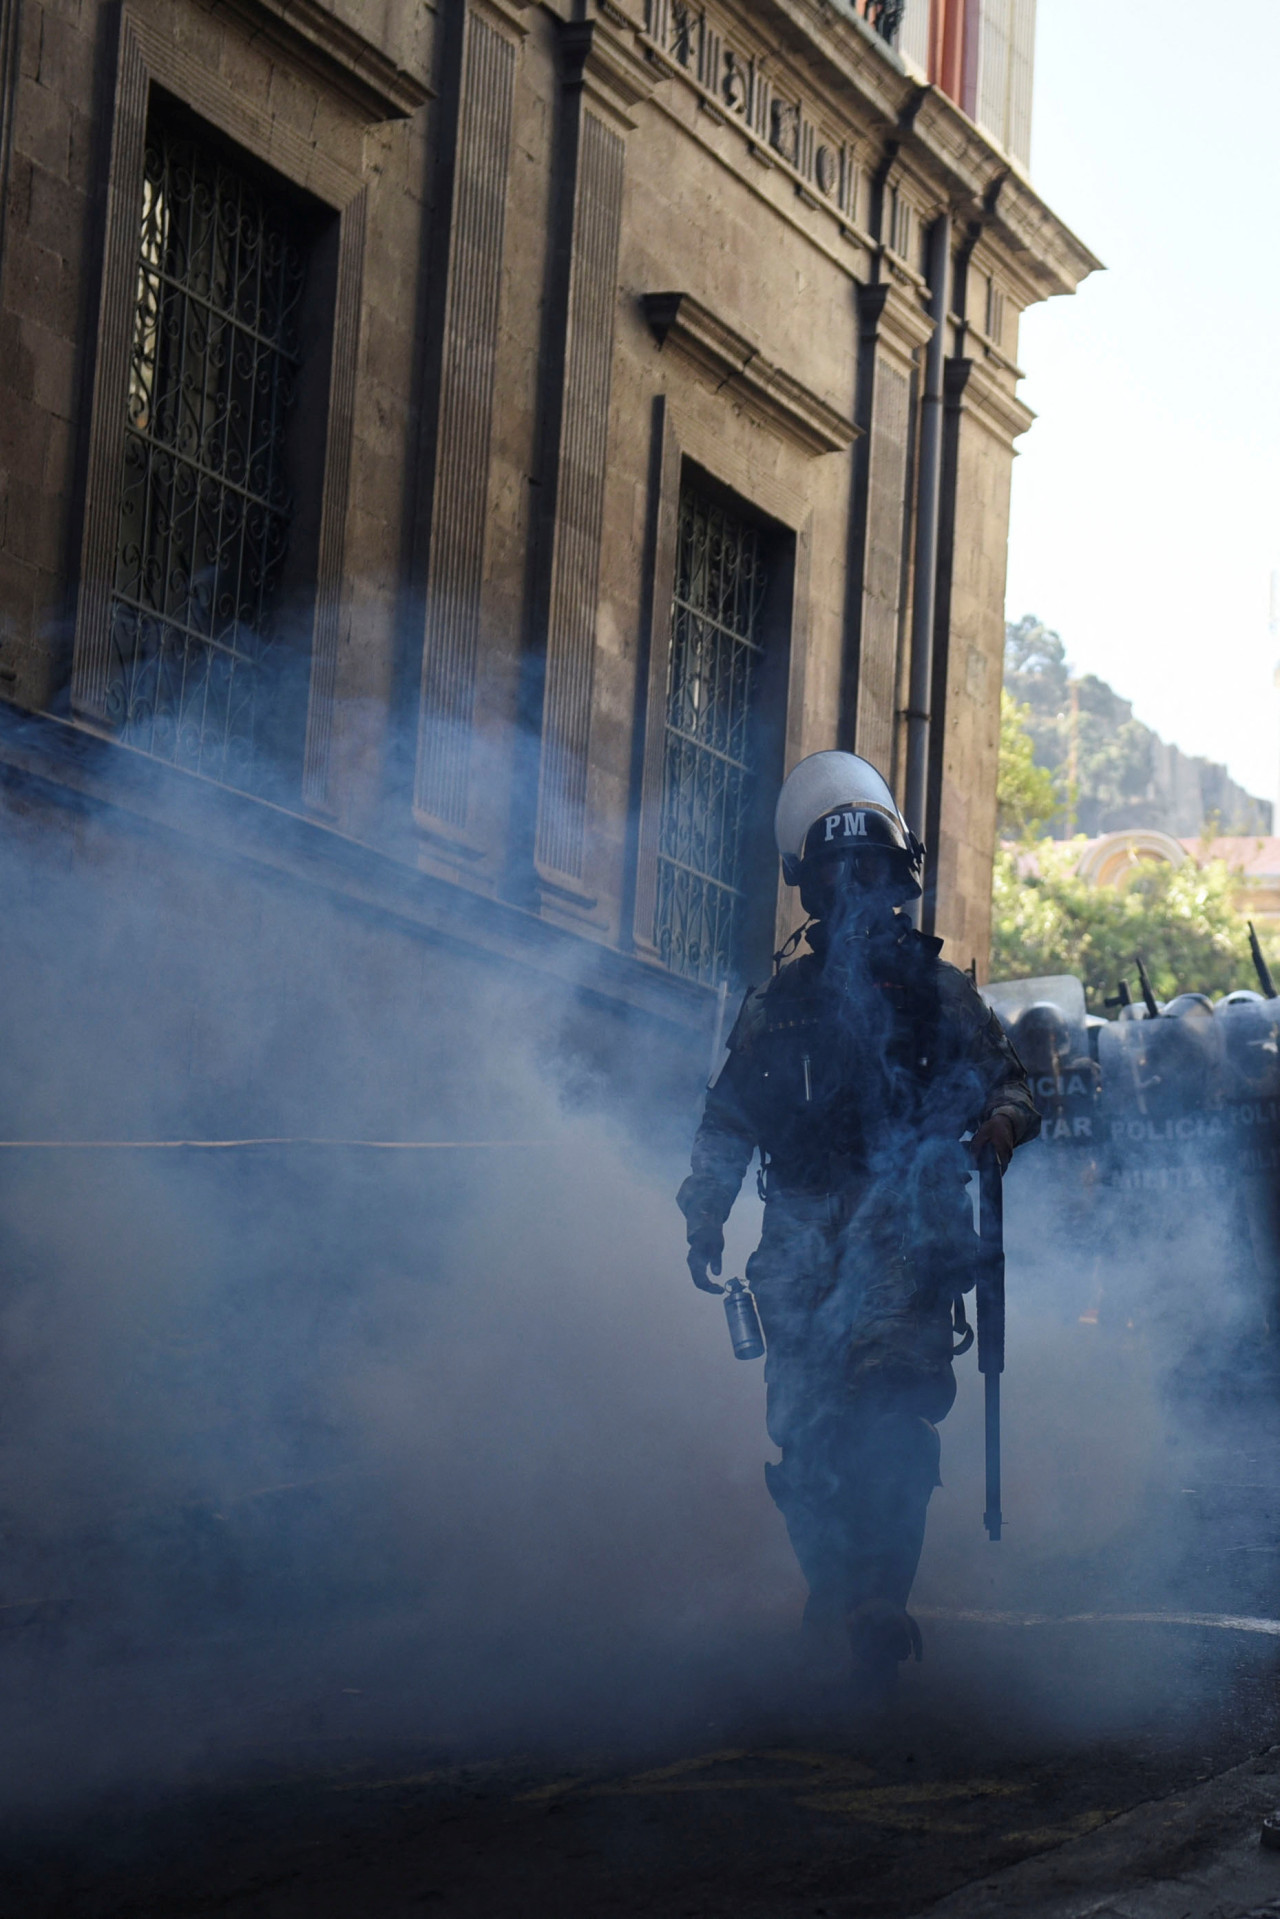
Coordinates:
[990,1317]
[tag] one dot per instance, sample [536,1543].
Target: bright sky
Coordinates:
[1146,499]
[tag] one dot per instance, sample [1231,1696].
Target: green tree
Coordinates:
[1026,798]
[1046,919]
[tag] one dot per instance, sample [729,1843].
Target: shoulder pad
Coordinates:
[961,1000]
[954,980]
[925,943]
[796,980]
[750,1022]
[793,973]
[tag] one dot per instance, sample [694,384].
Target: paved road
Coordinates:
[1004,1784]
[1192,1854]
[1081,1739]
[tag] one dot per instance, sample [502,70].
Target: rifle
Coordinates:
[1122,999]
[1260,966]
[990,1318]
[1149,998]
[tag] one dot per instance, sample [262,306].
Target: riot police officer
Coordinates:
[856,1072]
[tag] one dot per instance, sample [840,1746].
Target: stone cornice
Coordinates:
[346,58]
[887,311]
[505,14]
[602,55]
[853,81]
[938,135]
[1052,259]
[735,364]
[973,389]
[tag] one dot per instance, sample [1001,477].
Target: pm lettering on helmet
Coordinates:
[847,825]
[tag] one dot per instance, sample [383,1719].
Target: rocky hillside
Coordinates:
[1121,773]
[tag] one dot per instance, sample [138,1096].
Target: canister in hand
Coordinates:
[745,1329]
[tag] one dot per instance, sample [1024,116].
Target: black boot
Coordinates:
[881,1636]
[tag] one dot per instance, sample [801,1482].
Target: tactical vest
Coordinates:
[844,1064]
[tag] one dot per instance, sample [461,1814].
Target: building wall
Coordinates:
[1253,860]
[982,54]
[569,251]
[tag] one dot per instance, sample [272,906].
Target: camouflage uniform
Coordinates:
[856,1071]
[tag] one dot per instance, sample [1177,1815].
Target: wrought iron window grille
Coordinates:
[709,745]
[205,502]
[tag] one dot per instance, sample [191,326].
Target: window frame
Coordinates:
[256,657]
[686,448]
[147,63]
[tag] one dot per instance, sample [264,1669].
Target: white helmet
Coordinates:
[1189,1006]
[838,803]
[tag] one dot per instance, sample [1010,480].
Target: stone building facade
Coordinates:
[455,457]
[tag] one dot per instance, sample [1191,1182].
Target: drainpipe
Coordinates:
[929,496]
[10,57]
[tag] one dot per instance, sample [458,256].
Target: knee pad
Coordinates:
[925,1451]
[802,1490]
[910,1446]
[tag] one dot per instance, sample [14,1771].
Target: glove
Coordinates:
[706,1248]
[997,1133]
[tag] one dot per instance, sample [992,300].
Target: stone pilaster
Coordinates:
[460,489]
[604,77]
[10,37]
[892,328]
[983,418]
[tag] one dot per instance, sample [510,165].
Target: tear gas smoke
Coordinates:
[439,1445]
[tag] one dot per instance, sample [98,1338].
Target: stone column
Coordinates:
[604,77]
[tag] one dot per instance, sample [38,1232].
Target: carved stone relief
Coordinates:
[784,130]
[736,80]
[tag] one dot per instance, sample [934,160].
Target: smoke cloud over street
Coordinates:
[434,1442]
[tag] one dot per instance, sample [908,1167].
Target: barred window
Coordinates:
[711,745]
[206,502]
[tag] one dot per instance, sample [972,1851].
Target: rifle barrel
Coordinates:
[1149,998]
[990,1318]
[992,1518]
[1260,966]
